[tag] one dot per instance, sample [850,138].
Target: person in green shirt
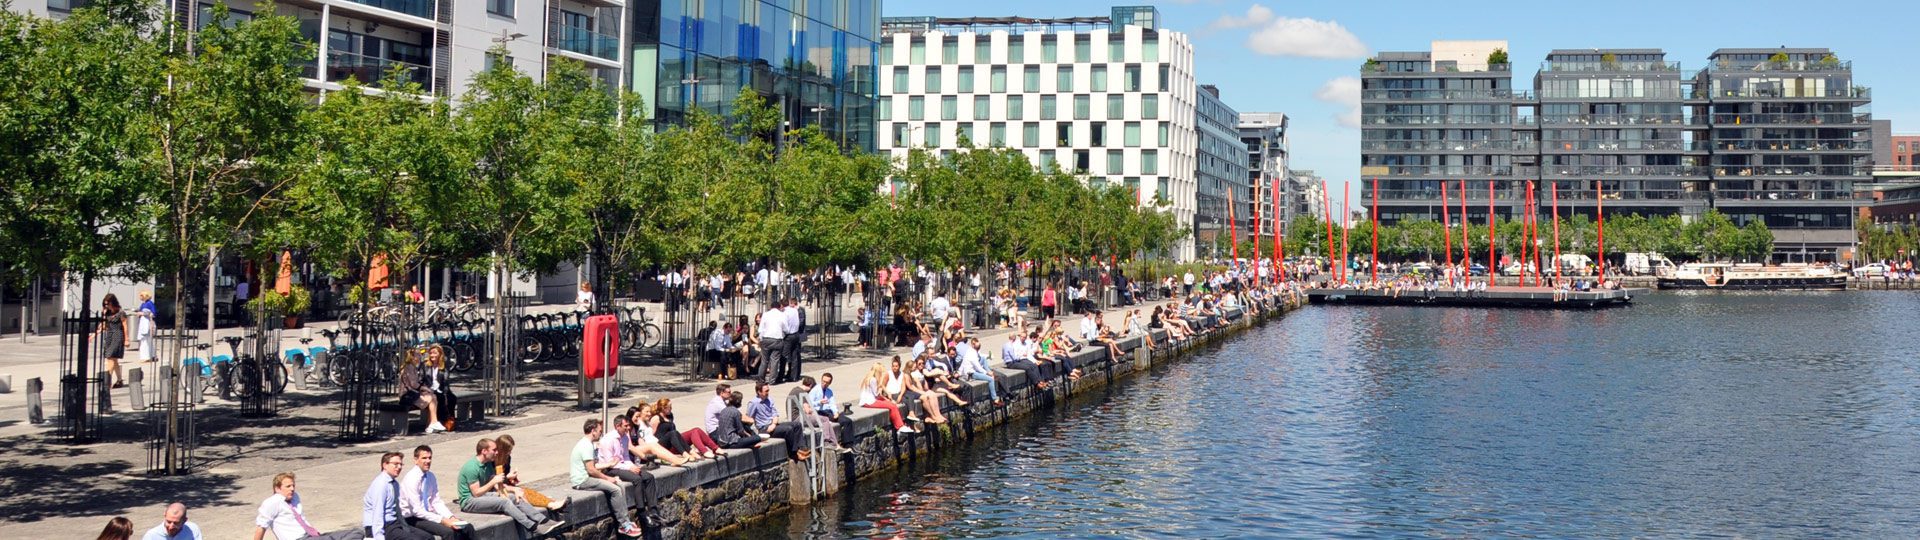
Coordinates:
[586,476]
[482,492]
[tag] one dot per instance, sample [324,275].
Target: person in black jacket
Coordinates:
[732,431]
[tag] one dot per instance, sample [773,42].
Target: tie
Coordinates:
[302,520]
[393,501]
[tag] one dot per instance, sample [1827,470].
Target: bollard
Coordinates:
[35,413]
[136,385]
[103,394]
[6,383]
[1142,357]
[194,382]
[169,377]
[300,375]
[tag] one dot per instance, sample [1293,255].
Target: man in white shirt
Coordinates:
[1188,280]
[420,500]
[940,306]
[971,367]
[176,526]
[283,514]
[1089,326]
[789,369]
[773,332]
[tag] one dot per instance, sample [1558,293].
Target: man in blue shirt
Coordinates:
[972,367]
[820,405]
[175,527]
[766,421]
[380,509]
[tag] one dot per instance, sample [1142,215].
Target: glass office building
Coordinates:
[815,59]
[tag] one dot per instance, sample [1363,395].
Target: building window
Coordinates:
[1116,47]
[917,52]
[1116,107]
[1164,139]
[494,60]
[982,50]
[966,80]
[1082,107]
[1149,162]
[1163,193]
[999,79]
[949,108]
[1048,106]
[997,134]
[1032,76]
[1099,78]
[1065,84]
[1016,105]
[1097,132]
[1082,160]
[916,108]
[1063,134]
[1116,162]
[933,81]
[1030,134]
[1082,48]
[1131,135]
[500,7]
[1049,51]
[980,106]
[1047,163]
[950,51]
[1133,78]
[899,80]
[1016,49]
[900,136]
[1150,107]
[963,135]
[1150,49]
[1164,75]
[932,135]
[886,108]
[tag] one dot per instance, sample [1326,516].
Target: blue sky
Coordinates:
[1305,48]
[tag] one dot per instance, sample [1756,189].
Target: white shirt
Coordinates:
[773,324]
[713,412]
[277,515]
[790,321]
[969,358]
[1189,278]
[940,306]
[585,299]
[1088,330]
[420,496]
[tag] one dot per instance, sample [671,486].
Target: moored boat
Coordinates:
[1750,277]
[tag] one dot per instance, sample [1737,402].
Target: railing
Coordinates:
[417,8]
[370,69]
[1623,170]
[1435,146]
[1790,170]
[1782,195]
[1444,170]
[1610,66]
[1615,145]
[1860,92]
[1444,94]
[1381,68]
[1783,118]
[1434,119]
[1582,192]
[1781,144]
[587,42]
[1797,65]
[1612,119]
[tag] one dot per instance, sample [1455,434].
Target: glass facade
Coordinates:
[817,60]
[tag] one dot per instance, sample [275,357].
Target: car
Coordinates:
[1870,270]
[1477,270]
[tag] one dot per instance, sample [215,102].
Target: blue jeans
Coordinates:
[993,385]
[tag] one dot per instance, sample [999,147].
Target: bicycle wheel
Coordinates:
[649,335]
[245,378]
[277,379]
[630,336]
[340,368]
[531,348]
[464,359]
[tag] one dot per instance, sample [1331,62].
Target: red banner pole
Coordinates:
[1279,240]
[1326,203]
[1466,249]
[1446,232]
[1346,230]
[1490,262]
[1555,188]
[1373,271]
[1600,216]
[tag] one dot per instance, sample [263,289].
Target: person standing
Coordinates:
[283,514]
[113,337]
[380,514]
[1049,301]
[143,327]
[796,337]
[773,333]
[175,526]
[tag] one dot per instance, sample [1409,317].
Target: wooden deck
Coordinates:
[1499,296]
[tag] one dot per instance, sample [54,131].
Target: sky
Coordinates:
[1303,58]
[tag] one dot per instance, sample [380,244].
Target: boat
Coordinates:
[1753,277]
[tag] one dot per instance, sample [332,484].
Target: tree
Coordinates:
[1497,57]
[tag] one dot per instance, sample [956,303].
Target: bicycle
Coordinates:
[636,331]
[311,358]
[248,375]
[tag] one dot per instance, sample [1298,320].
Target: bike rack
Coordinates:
[171,417]
[263,400]
[79,419]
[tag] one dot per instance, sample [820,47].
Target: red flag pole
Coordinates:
[1346,228]
[1526,222]
[1373,271]
[1233,233]
[1600,211]
[1490,262]
[1466,250]
[1554,187]
[1446,231]
[1326,203]
[1254,229]
[1533,233]
[1279,240]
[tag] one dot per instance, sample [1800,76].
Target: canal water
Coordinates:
[1685,415]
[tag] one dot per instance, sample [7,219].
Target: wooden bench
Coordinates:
[396,417]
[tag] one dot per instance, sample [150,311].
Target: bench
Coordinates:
[396,417]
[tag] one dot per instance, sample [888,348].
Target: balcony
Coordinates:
[1793,66]
[1445,171]
[1785,195]
[1434,146]
[1622,170]
[1611,67]
[1612,119]
[1782,145]
[369,69]
[1729,171]
[1428,69]
[1437,119]
[418,8]
[1814,119]
[1856,92]
[1444,95]
[1615,145]
[581,40]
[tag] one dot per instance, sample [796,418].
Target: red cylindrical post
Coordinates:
[1554,187]
[1491,269]
[1446,232]
[1372,271]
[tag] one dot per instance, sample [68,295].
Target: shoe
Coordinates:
[435,427]
[121,384]
[629,530]
[547,528]
[803,455]
[556,506]
[908,430]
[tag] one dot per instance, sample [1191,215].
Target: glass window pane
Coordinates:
[980,106]
[1150,107]
[933,80]
[964,136]
[1032,75]
[1030,134]
[1049,51]
[999,77]
[950,51]
[1132,135]
[932,134]
[1116,162]
[1015,105]
[1150,49]
[1116,107]
[997,134]
[886,108]
[899,80]
[916,108]
[917,54]
[1163,78]
[966,80]
[1149,162]
[1164,139]
[949,108]
[1133,78]
[1047,107]
[1116,48]
[1082,48]
[1016,50]
[1099,78]
[1082,107]
[1065,83]
[900,135]
[1063,134]
[982,50]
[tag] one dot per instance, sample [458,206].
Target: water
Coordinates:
[1708,415]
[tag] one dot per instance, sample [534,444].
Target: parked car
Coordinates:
[1870,270]
[1477,270]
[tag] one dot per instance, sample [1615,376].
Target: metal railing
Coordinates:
[370,69]
[1850,92]
[1622,170]
[1615,145]
[1790,170]
[1781,144]
[587,42]
[1612,119]
[1448,95]
[1784,118]
[417,8]
[1605,66]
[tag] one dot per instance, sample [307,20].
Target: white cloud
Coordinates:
[1304,37]
[1345,92]
[1256,16]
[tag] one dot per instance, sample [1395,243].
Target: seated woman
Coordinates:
[503,465]
[1111,341]
[695,440]
[417,392]
[649,444]
[938,380]
[906,326]
[1135,328]
[917,391]
[1176,326]
[1052,352]
[871,398]
[747,348]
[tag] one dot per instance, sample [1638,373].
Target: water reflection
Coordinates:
[1745,415]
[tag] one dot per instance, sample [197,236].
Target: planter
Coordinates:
[292,322]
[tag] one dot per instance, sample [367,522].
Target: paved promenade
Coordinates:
[56,490]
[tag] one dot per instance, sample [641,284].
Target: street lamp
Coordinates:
[506,37]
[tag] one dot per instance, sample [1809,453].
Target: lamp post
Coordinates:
[687,103]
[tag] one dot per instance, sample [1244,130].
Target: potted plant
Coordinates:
[290,305]
[1371,65]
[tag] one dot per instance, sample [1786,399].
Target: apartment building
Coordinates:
[1264,134]
[1224,195]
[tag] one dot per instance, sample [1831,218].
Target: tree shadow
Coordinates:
[31,492]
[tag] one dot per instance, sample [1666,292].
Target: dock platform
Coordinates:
[1499,296]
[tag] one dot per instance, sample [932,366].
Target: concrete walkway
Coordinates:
[331,487]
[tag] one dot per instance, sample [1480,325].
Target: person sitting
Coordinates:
[484,490]
[1052,352]
[503,465]
[917,391]
[1135,328]
[420,500]
[693,441]
[1018,354]
[417,389]
[898,390]
[936,380]
[283,515]
[871,398]
[819,401]
[380,515]
[720,350]
[766,422]
[174,526]
[1112,342]
[643,439]
[730,429]
[972,367]
[746,349]
[585,475]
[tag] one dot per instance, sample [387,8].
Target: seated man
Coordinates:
[766,422]
[283,514]
[481,491]
[972,367]
[730,429]
[175,526]
[615,457]
[585,475]
[420,502]
[380,514]
[820,400]
[1018,354]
